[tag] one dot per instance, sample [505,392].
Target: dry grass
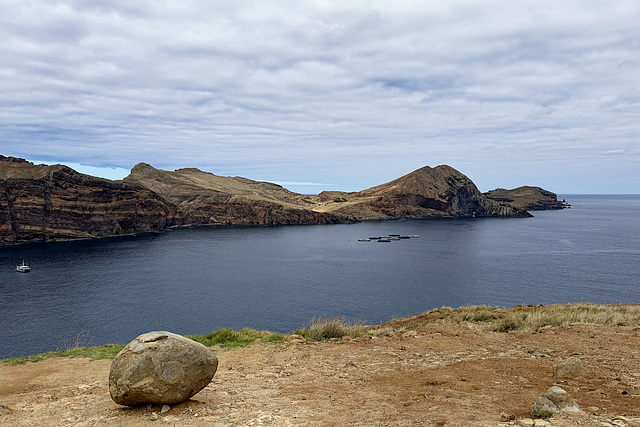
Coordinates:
[325,328]
[531,318]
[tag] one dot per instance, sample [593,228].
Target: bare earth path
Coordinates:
[429,376]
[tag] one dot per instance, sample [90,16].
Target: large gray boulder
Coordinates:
[555,400]
[160,367]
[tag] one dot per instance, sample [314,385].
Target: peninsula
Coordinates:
[49,203]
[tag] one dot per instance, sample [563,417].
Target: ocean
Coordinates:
[278,278]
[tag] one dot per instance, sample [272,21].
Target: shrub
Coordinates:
[542,413]
[326,328]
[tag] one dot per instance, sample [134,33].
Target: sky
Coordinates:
[328,95]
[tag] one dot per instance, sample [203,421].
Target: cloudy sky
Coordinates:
[328,95]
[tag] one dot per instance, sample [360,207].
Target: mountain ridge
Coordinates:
[46,203]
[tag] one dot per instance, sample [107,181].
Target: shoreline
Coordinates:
[491,318]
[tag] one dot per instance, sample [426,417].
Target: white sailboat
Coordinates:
[24,268]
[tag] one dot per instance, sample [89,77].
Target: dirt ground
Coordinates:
[428,376]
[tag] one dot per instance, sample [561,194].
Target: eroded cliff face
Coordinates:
[41,203]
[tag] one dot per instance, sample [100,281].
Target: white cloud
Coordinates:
[359,91]
[102,172]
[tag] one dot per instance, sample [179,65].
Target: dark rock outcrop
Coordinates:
[43,203]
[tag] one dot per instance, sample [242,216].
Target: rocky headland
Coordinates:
[49,203]
[527,198]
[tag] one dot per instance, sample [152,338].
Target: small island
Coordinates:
[528,198]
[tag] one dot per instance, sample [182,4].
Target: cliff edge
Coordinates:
[44,203]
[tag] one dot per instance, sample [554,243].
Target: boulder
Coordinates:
[555,400]
[160,367]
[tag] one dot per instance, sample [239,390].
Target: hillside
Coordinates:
[427,192]
[202,198]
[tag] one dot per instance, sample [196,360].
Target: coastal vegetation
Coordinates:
[228,338]
[530,318]
[519,319]
[325,328]
[107,351]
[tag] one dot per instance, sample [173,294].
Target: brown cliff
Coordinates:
[42,203]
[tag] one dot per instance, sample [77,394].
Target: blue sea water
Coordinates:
[194,281]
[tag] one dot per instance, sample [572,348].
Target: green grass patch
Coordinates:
[224,338]
[544,414]
[228,338]
[108,351]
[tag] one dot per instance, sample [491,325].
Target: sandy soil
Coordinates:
[429,376]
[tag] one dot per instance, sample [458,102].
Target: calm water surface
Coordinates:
[194,281]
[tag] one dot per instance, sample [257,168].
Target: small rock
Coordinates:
[154,416]
[570,368]
[555,400]
[160,367]
[504,417]
[525,422]
[165,409]
[5,410]
[296,338]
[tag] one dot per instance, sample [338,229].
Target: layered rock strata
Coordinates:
[42,203]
